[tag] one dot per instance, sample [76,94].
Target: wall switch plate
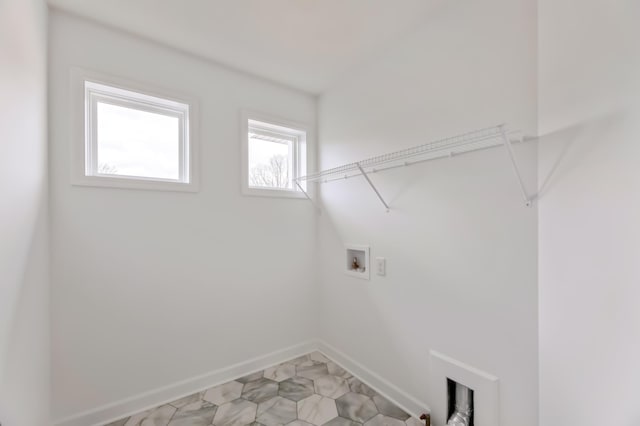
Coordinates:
[381,267]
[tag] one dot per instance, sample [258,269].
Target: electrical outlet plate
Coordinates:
[381,267]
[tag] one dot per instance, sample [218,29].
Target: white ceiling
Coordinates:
[306,44]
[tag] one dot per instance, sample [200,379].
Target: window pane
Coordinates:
[270,163]
[132,142]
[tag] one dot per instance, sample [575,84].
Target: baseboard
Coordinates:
[381,385]
[144,401]
[117,410]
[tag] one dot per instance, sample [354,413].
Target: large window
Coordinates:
[134,139]
[275,153]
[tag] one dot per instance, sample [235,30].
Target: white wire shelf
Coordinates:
[488,137]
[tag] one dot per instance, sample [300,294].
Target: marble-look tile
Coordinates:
[260,390]
[224,393]
[280,372]
[299,360]
[313,381]
[120,422]
[312,370]
[199,413]
[358,387]
[179,403]
[336,370]
[331,386]
[276,411]
[318,357]
[136,419]
[382,420]
[317,409]
[388,408]
[357,407]
[341,421]
[250,377]
[296,388]
[412,421]
[235,413]
[157,417]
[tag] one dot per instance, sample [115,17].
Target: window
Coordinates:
[133,139]
[275,153]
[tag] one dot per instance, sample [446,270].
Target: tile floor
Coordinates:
[309,390]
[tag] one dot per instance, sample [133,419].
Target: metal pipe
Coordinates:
[463,407]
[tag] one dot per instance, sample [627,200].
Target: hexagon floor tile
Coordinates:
[331,386]
[236,413]
[382,420]
[317,409]
[357,407]
[296,388]
[312,370]
[310,390]
[223,393]
[260,390]
[358,387]
[389,409]
[277,411]
[280,372]
[198,413]
[341,421]
[336,370]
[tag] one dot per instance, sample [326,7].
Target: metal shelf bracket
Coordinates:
[306,194]
[514,164]
[373,186]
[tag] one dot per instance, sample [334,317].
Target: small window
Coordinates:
[135,140]
[275,154]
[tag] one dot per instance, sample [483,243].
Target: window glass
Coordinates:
[270,162]
[132,142]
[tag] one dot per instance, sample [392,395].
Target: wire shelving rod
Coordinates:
[476,140]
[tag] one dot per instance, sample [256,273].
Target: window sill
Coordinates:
[140,184]
[273,193]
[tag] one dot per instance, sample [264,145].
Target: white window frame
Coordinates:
[298,133]
[87,89]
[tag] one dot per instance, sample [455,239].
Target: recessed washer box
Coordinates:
[357,261]
[486,396]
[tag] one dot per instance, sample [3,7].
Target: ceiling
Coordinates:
[305,44]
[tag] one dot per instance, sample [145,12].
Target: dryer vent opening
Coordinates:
[460,404]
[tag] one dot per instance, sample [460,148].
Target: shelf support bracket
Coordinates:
[514,164]
[373,186]
[308,198]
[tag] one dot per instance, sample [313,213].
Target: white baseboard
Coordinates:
[144,401]
[381,385]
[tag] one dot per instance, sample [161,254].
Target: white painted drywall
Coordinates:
[24,268]
[459,243]
[150,288]
[589,227]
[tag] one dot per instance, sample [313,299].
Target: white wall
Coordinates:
[151,288]
[460,244]
[589,233]
[24,280]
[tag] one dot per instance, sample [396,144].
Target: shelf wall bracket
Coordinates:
[514,164]
[306,194]
[373,186]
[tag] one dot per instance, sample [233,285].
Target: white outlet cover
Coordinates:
[381,267]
